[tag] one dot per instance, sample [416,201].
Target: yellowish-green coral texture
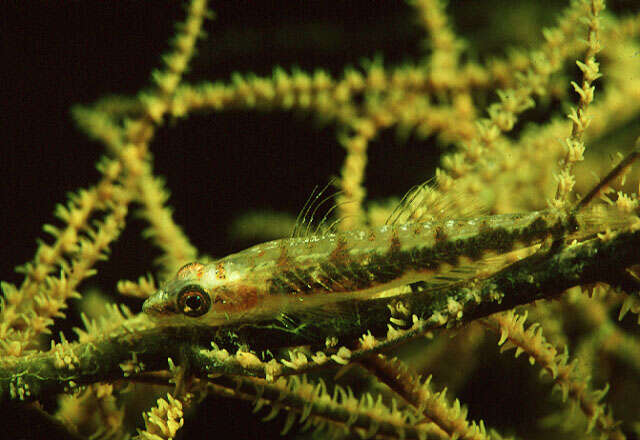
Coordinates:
[503,107]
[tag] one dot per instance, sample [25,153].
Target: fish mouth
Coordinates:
[158,304]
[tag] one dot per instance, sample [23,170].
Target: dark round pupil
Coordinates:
[194,302]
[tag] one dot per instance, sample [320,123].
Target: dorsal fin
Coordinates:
[304,225]
[420,204]
[423,203]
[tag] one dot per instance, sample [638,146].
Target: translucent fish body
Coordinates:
[303,273]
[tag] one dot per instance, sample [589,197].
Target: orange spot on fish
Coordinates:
[340,255]
[238,299]
[395,245]
[439,234]
[189,269]
[247,297]
[221,273]
[284,261]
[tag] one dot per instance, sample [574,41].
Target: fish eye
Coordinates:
[193,301]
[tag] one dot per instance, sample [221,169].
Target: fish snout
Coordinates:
[158,304]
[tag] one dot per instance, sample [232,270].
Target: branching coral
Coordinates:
[493,163]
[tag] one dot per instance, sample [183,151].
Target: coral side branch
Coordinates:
[542,276]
